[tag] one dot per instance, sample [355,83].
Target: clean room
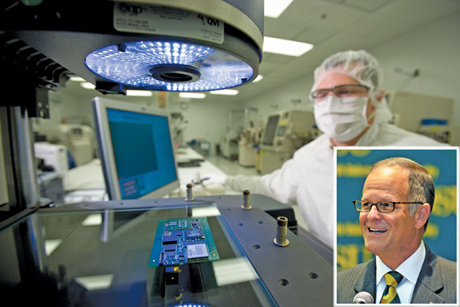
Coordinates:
[416,45]
[216,135]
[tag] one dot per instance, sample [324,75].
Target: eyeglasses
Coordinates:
[382,207]
[341,91]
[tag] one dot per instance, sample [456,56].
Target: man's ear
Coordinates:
[421,215]
[379,94]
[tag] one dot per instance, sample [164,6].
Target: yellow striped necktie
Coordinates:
[390,296]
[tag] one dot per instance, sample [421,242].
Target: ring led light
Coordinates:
[155,45]
[168,66]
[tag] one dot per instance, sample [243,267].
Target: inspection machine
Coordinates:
[115,45]
[207,251]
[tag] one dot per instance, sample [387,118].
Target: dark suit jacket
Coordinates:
[437,282]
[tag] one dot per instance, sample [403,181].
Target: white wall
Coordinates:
[206,120]
[73,109]
[433,49]
[282,97]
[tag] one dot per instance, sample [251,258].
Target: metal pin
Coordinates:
[189,196]
[281,231]
[246,205]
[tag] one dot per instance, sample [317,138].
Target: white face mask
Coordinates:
[342,119]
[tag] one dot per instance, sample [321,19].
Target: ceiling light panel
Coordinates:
[87,85]
[192,95]
[259,77]
[225,92]
[77,79]
[274,8]
[139,93]
[285,47]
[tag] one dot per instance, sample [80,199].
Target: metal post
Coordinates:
[246,205]
[281,231]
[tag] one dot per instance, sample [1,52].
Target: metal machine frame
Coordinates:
[293,275]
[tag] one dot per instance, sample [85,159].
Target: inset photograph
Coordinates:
[397,226]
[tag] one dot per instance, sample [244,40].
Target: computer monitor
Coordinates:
[136,150]
[270,129]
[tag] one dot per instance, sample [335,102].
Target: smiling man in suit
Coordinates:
[397,200]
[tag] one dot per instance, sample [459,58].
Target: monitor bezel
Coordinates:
[105,145]
[264,142]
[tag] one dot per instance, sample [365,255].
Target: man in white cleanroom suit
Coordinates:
[350,110]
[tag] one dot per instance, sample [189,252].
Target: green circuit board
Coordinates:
[180,241]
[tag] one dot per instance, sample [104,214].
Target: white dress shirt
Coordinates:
[410,269]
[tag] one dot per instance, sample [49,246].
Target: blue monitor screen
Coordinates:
[143,152]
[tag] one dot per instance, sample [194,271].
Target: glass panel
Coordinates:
[102,258]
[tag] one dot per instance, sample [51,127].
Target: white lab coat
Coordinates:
[307,179]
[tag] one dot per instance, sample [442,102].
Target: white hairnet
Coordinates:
[360,65]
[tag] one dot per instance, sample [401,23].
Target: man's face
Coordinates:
[388,234]
[335,79]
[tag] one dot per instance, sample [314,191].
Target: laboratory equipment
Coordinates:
[403,104]
[178,124]
[248,146]
[53,155]
[149,45]
[136,149]
[434,128]
[51,186]
[79,140]
[229,144]
[65,247]
[95,252]
[201,146]
[249,139]
[284,133]
[189,46]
